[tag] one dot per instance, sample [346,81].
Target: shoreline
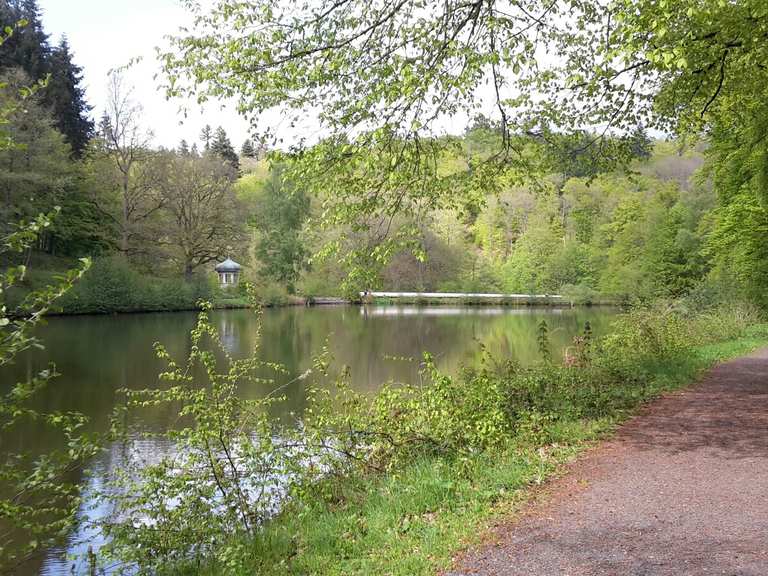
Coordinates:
[326,302]
[311,302]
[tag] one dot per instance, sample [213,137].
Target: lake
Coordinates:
[97,355]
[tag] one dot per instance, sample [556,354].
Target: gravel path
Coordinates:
[681,490]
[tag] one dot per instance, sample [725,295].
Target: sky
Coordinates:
[106,34]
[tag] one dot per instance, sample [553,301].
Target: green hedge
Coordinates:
[113,286]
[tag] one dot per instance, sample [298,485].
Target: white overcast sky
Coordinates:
[106,34]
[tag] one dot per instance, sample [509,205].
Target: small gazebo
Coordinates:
[229,273]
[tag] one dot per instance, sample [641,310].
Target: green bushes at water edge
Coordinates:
[479,441]
[113,286]
[401,478]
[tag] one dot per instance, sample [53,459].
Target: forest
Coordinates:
[614,153]
[155,221]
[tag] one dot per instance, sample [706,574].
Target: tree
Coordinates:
[36,174]
[640,144]
[126,145]
[384,77]
[620,64]
[201,216]
[279,219]
[222,147]
[67,99]
[206,135]
[248,151]
[28,49]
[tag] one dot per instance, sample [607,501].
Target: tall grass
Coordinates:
[397,482]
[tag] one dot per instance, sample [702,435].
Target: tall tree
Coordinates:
[384,77]
[201,214]
[66,97]
[281,214]
[247,150]
[206,134]
[222,147]
[126,144]
[37,174]
[28,49]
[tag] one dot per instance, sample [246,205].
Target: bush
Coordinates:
[246,467]
[113,286]
[579,293]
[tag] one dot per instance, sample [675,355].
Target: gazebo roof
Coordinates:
[228,265]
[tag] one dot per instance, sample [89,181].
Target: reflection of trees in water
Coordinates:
[98,355]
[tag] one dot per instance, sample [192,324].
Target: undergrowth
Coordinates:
[397,482]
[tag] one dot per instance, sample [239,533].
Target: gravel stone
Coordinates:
[682,489]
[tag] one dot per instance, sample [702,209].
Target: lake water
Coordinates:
[97,355]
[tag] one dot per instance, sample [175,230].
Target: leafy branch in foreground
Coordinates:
[39,501]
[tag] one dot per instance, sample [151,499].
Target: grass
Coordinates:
[413,521]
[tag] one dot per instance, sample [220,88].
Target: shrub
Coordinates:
[113,286]
[235,461]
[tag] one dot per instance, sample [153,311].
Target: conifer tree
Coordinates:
[248,151]
[28,49]
[222,147]
[66,98]
[205,136]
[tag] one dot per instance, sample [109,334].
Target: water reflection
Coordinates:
[98,355]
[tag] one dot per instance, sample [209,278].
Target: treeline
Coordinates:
[639,233]
[145,213]
[157,220]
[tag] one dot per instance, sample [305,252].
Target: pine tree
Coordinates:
[222,147]
[248,151]
[183,148]
[205,136]
[640,143]
[66,98]
[28,49]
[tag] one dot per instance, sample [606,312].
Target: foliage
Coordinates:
[39,499]
[248,149]
[382,81]
[37,173]
[281,212]
[259,476]
[226,461]
[28,49]
[114,286]
[202,219]
[222,147]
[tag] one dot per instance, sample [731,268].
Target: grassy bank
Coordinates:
[414,521]
[424,470]
[112,286]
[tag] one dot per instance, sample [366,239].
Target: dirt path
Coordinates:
[681,490]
